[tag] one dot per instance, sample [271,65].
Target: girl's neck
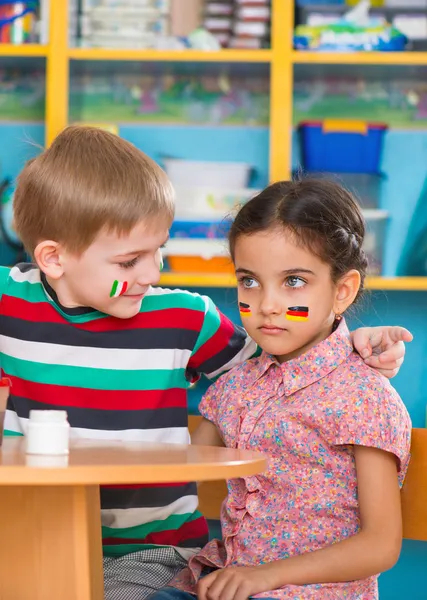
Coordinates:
[321,335]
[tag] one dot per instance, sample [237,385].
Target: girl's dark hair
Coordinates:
[321,214]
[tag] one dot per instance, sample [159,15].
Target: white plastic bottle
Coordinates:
[48,432]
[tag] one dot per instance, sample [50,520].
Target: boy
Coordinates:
[83,330]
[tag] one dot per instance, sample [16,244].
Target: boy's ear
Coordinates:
[347,289]
[48,258]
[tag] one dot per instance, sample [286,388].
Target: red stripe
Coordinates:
[173,537]
[124,288]
[138,486]
[297,313]
[245,310]
[58,395]
[184,318]
[215,344]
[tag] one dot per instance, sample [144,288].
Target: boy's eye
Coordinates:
[248,282]
[129,264]
[295,282]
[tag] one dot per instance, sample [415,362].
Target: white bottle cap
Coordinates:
[48,416]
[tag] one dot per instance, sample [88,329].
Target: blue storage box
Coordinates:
[208,229]
[341,146]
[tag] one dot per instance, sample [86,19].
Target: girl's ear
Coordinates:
[347,289]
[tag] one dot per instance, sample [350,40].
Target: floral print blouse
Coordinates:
[306,415]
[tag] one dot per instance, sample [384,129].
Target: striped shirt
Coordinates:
[118,379]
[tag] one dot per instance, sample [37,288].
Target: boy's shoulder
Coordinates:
[159,298]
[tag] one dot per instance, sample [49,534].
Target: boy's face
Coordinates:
[133,259]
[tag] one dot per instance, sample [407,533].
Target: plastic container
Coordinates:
[376,224]
[366,187]
[194,173]
[194,203]
[200,229]
[342,146]
[198,256]
[198,264]
[48,432]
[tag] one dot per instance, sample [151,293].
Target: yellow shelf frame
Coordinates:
[26,50]
[281,59]
[359,58]
[226,56]
[226,280]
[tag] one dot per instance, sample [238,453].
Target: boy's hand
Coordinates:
[235,583]
[382,348]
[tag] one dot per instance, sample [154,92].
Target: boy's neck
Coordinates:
[61,299]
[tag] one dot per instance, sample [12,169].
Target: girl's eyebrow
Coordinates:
[298,270]
[286,272]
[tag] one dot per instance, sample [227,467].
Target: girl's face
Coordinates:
[275,274]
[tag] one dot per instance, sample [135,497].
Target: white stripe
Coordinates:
[245,353]
[95,358]
[167,435]
[120,518]
[32,276]
[120,285]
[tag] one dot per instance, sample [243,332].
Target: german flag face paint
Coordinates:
[118,289]
[297,313]
[245,310]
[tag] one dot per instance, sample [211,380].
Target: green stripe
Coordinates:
[114,288]
[173,522]
[9,433]
[173,300]
[34,293]
[211,324]
[97,379]
[123,549]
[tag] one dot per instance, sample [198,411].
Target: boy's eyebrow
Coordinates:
[286,272]
[137,251]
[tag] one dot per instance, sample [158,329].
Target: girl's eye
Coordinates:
[129,264]
[248,282]
[295,282]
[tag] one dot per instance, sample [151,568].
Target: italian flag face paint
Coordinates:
[297,313]
[118,289]
[245,310]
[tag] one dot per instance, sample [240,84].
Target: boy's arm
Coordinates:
[374,549]
[4,275]
[220,345]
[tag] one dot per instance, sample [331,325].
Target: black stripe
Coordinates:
[132,339]
[146,497]
[108,420]
[235,345]
[194,542]
[26,267]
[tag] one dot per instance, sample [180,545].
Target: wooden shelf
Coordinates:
[223,280]
[28,50]
[243,56]
[360,58]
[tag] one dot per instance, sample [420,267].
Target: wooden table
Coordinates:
[50,507]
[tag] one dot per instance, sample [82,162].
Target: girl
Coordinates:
[324,519]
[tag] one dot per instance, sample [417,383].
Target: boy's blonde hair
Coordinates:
[87,181]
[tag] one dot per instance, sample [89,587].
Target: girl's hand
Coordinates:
[382,348]
[235,583]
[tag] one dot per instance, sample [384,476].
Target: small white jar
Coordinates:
[48,432]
